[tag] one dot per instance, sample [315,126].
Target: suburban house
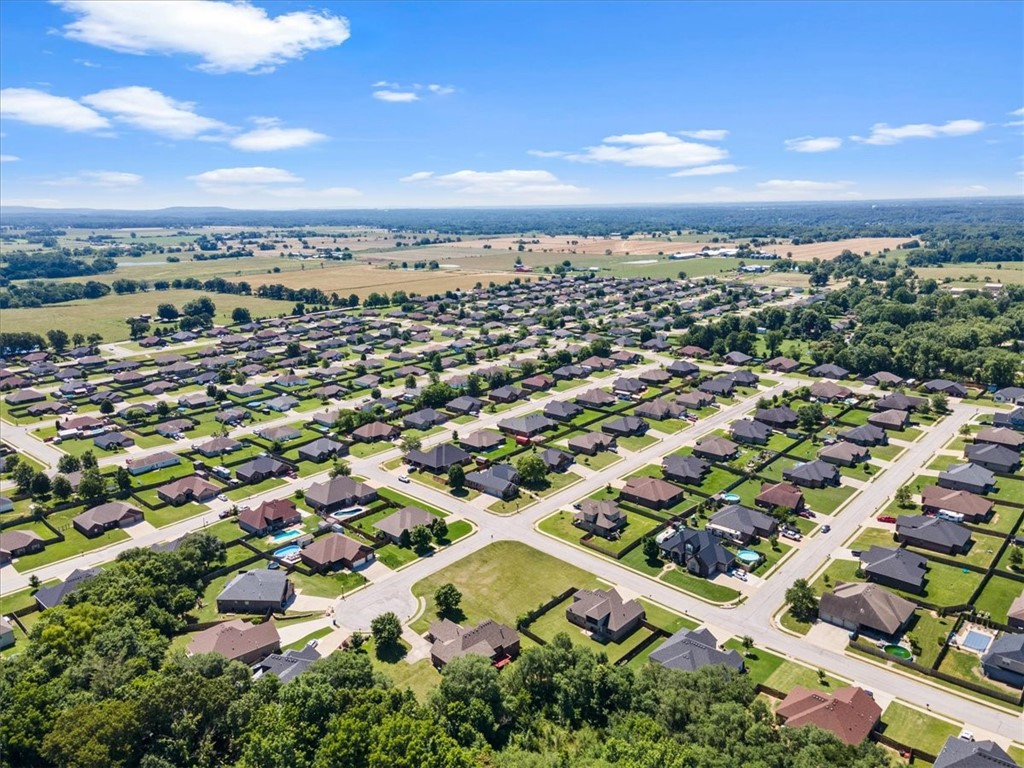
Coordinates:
[1005,659]
[742,525]
[967,477]
[464,404]
[781,495]
[6,633]
[829,391]
[829,371]
[286,666]
[526,426]
[490,639]
[500,480]
[158,460]
[438,459]
[701,553]
[338,493]
[424,419]
[715,448]
[884,378]
[282,434]
[865,435]
[374,432]
[398,524]
[485,440]
[688,470]
[651,492]
[259,591]
[974,508]
[691,649]
[628,387]
[1015,615]
[750,432]
[322,449]
[892,419]
[538,383]
[865,607]
[736,358]
[782,365]
[933,533]
[722,387]
[946,387]
[897,401]
[237,641]
[781,418]
[333,551]
[562,410]
[590,443]
[556,460]
[895,567]
[269,516]
[997,458]
[595,398]
[605,614]
[218,446]
[850,714]
[695,399]
[1012,395]
[53,595]
[844,454]
[114,514]
[191,488]
[262,468]
[625,426]
[1012,420]
[1001,436]
[111,440]
[659,409]
[506,394]
[961,753]
[601,518]
[812,474]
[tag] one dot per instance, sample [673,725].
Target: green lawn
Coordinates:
[916,729]
[557,481]
[73,544]
[394,556]
[967,666]
[1009,490]
[637,443]
[1003,518]
[244,492]
[421,678]
[602,460]
[790,674]
[554,622]
[702,588]
[500,582]
[365,450]
[327,585]
[761,664]
[298,645]
[172,514]
[827,500]
[886,452]
[930,633]
[873,537]
[560,524]
[408,501]
[790,622]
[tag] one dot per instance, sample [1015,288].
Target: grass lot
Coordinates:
[106,316]
[74,544]
[245,491]
[1011,490]
[790,622]
[327,585]
[298,645]
[930,632]
[886,452]
[408,501]
[967,666]
[827,500]
[421,678]
[873,537]
[364,450]
[637,443]
[171,514]
[557,481]
[702,588]
[916,729]
[602,460]
[499,582]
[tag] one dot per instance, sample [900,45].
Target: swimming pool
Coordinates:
[285,535]
[749,556]
[976,641]
[288,551]
[898,651]
[730,497]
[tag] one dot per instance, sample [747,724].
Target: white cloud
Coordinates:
[272,138]
[510,183]
[1018,112]
[418,176]
[656,149]
[883,134]
[802,186]
[814,144]
[88,64]
[709,170]
[441,90]
[9,158]
[39,108]
[227,37]
[149,109]
[97,179]
[706,134]
[397,97]
[256,174]
[547,152]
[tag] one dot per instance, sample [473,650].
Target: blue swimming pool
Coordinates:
[730,497]
[287,551]
[976,641]
[749,556]
[285,535]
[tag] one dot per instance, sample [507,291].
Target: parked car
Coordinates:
[886,519]
[221,497]
[403,479]
[789,533]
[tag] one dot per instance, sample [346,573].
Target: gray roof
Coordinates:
[895,563]
[261,585]
[691,649]
[750,430]
[992,454]
[404,520]
[811,471]
[1006,652]
[968,473]
[288,665]
[933,530]
[743,519]
[48,597]
[684,467]
[958,753]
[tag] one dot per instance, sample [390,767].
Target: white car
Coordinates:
[222,497]
[403,479]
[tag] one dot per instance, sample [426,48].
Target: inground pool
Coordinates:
[749,556]
[288,551]
[976,641]
[285,535]
[898,651]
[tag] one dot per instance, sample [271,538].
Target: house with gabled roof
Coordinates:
[933,533]
[687,469]
[338,493]
[850,714]
[866,607]
[335,550]
[750,432]
[967,477]
[701,553]
[602,518]
[974,508]
[691,649]
[742,525]
[997,458]
[605,614]
[895,567]
[489,639]
[812,474]
[257,591]
[715,448]
[237,641]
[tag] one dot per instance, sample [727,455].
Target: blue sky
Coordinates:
[314,104]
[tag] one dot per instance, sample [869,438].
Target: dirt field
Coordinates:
[362,279]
